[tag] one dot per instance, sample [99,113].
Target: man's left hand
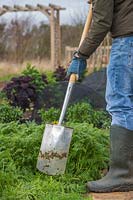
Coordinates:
[77,66]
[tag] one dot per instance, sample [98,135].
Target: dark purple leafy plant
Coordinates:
[60,74]
[22,91]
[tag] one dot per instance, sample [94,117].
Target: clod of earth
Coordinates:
[51,155]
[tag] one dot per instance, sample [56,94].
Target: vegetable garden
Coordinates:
[22,123]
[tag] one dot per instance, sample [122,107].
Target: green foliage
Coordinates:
[39,187]
[89,151]
[22,140]
[50,78]
[101,119]
[49,116]
[39,80]
[3,98]
[19,148]
[2,95]
[7,77]
[80,112]
[9,113]
[83,112]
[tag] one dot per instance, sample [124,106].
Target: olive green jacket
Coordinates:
[115,16]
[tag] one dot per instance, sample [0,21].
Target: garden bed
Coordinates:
[20,140]
[19,178]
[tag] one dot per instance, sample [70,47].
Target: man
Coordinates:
[115,16]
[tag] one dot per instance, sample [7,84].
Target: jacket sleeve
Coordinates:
[101,25]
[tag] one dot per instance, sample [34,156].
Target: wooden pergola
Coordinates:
[53,13]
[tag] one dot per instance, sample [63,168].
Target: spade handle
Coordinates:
[73,77]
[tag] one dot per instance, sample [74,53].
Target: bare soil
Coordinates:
[113,196]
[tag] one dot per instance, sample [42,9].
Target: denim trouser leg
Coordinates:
[119,89]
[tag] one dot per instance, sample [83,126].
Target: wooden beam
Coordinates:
[2,11]
[43,7]
[20,8]
[8,8]
[56,7]
[30,7]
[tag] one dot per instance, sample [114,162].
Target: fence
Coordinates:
[98,59]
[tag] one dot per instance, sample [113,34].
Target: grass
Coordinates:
[9,70]
[19,178]
[42,187]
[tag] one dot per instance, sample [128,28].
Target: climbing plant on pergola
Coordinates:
[53,13]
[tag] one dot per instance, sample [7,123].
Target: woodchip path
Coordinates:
[113,196]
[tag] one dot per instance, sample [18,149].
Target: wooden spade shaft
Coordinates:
[73,77]
[87,25]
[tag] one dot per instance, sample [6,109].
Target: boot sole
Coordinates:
[113,189]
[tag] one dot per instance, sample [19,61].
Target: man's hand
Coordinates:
[77,66]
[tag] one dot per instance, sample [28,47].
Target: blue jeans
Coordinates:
[119,89]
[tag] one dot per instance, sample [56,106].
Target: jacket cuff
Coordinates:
[80,55]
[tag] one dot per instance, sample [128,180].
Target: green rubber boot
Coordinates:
[120,175]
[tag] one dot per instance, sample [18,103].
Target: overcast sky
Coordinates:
[73,8]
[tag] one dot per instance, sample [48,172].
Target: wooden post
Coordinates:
[52,27]
[53,13]
[58,38]
[55,38]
